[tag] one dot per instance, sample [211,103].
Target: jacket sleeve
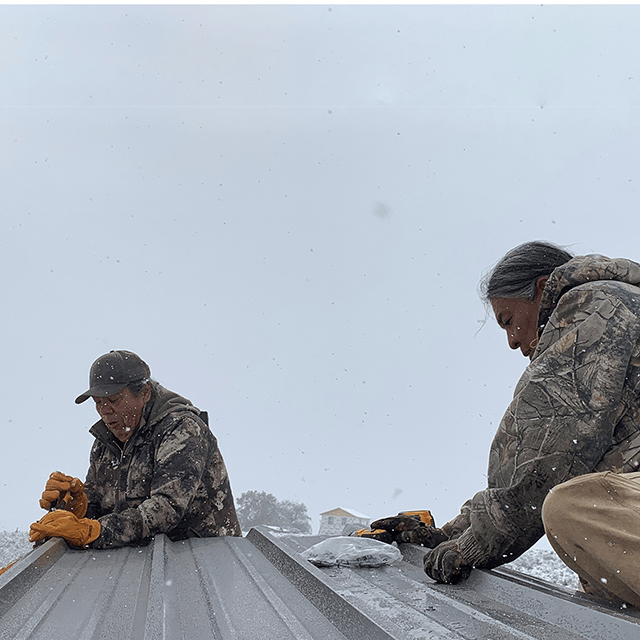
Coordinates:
[180,460]
[560,422]
[456,527]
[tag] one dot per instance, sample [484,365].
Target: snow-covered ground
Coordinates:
[13,545]
[540,563]
[547,566]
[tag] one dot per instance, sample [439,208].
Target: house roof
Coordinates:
[340,511]
[259,588]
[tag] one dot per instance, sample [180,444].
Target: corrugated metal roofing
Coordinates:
[259,588]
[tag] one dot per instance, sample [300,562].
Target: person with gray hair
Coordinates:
[516,274]
[155,467]
[566,454]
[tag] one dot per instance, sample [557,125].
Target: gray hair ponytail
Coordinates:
[516,274]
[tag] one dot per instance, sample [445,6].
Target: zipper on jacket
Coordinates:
[119,485]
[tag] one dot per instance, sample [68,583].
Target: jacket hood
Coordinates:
[580,270]
[164,402]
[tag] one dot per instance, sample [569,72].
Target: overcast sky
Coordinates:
[286,210]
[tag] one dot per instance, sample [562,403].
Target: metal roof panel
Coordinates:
[259,588]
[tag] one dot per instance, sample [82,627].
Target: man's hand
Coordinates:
[405,528]
[64,524]
[446,564]
[58,485]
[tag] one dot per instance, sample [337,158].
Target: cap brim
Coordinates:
[101,391]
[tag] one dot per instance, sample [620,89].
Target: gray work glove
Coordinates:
[446,564]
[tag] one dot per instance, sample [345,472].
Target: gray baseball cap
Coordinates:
[112,372]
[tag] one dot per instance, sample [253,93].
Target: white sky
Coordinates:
[285,210]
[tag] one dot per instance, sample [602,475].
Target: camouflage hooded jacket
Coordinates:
[169,477]
[575,410]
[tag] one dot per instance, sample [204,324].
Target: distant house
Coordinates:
[333,522]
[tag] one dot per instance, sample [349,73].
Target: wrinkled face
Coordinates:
[519,318]
[122,412]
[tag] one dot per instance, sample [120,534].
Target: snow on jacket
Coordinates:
[575,410]
[169,477]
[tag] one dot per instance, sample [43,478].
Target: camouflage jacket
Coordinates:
[575,410]
[169,477]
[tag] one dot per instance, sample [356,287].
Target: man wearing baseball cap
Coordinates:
[155,467]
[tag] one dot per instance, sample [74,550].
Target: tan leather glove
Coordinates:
[8,566]
[64,524]
[61,487]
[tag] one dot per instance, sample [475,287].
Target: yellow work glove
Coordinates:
[415,527]
[64,524]
[376,534]
[67,489]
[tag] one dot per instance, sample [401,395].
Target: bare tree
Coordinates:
[258,507]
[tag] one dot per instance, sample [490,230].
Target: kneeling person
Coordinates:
[155,467]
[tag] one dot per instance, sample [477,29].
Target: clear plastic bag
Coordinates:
[351,551]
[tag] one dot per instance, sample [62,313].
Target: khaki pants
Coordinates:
[593,524]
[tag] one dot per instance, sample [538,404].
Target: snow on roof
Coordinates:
[341,511]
